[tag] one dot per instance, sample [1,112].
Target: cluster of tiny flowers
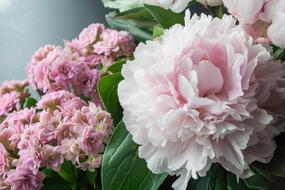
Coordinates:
[60,128]
[11,95]
[76,67]
[98,45]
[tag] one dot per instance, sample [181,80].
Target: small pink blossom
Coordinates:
[98,45]
[15,86]
[4,161]
[24,178]
[59,100]
[68,130]
[38,67]
[72,151]
[87,38]
[86,83]
[91,141]
[114,45]
[50,119]
[51,157]
[91,163]
[9,102]
[14,125]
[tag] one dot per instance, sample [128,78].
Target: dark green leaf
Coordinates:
[68,172]
[29,102]
[261,182]
[91,178]
[53,181]
[107,89]
[220,178]
[117,66]
[203,183]
[166,18]
[279,54]
[234,184]
[122,169]
[137,21]
[277,165]
[217,11]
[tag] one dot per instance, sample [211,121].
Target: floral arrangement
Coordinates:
[180,94]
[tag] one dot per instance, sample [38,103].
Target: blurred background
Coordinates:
[26,25]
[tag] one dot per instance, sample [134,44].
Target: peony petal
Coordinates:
[245,14]
[210,79]
[276,30]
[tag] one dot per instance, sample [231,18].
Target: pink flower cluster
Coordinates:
[75,68]
[61,127]
[98,45]
[11,95]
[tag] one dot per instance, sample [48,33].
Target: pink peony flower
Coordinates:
[191,98]
[24,178]
[260,18]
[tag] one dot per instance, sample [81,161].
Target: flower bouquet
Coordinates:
[180,94]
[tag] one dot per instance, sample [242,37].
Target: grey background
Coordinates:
[26,25]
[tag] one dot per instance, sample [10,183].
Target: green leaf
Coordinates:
[68,172]
[91,178]
[217,11]
[107,89]
[203,183]
[166,18]
[234,184]
[220,178]
[117,66]
[53,181]
[261,182]
[279,53]
[29,102]
[157,31]
[122,169]
[138,22]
